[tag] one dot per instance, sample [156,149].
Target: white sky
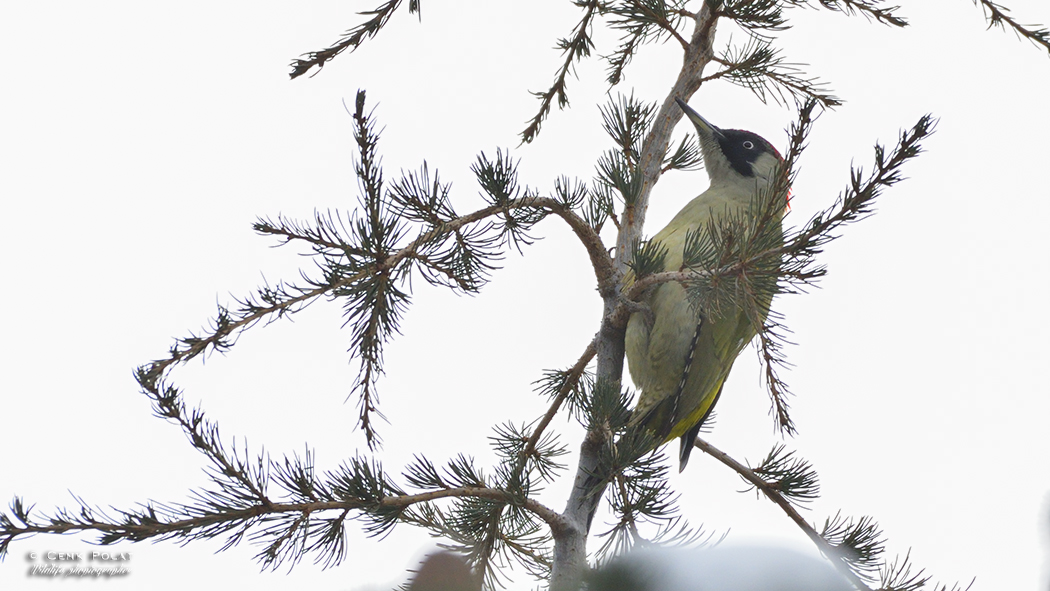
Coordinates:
[139,141]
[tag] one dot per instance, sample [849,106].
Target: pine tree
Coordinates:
[411,227]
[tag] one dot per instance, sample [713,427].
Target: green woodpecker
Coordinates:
[679,358]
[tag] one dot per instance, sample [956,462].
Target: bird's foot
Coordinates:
[640,308]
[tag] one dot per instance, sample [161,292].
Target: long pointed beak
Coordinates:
[699,122]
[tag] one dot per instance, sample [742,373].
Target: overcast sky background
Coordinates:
[138,142]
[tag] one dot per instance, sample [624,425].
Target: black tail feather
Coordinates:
[688,440]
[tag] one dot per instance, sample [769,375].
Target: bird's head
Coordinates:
[733,155]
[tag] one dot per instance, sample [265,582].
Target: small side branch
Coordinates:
[352,39]
[760,69]
[573,377]
[642,21]
[785,504]
[998,16]
[868,8]
[575,48]
[855,203]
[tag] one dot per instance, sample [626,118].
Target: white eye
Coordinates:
[748,145]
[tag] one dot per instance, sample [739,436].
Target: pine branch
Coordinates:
[624,533]
[761,69]
[641,494]
[162,522]
[353,38]
[771,341]
[608,408]
[868,8]
[521,209]
[768,326]
[757,17]
[562,385]
[619,59]
[375,304]
[365,264]
[859,543]
[789,474]
[330,240]
[239,506]
[627,121]
[525,471]
[897,576]
[686,156]
[773,494]
[326,237]
[998,16]
[499,180]
[619,176]
[600,207]
[854,547]
[642,21]
[574,49]
[463,259]
[852,205]
[491,531]
[647,259]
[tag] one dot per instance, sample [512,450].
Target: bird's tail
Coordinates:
[688,440]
